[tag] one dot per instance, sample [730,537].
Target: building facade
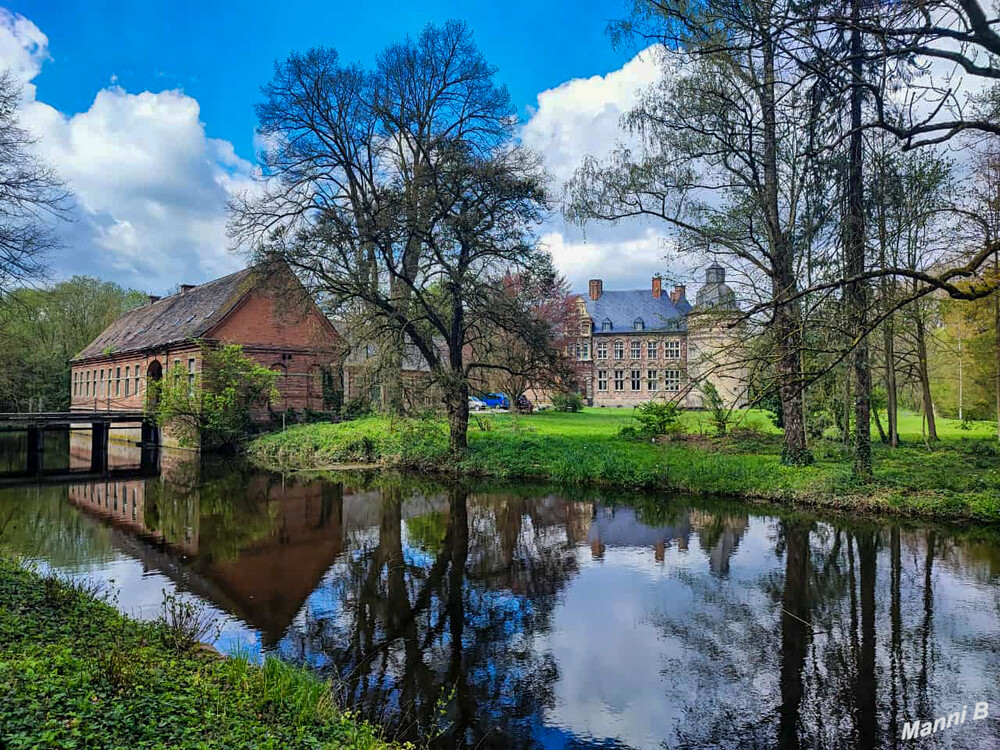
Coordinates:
[640,345]
[263,308]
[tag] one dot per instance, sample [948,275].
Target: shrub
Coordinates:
[720,414]
[186,623]
[216,406]
[357,407]
[629,432]
[657,418]
[568,402]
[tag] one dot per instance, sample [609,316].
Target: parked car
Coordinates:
[523,405]
[476,404]
[495,400]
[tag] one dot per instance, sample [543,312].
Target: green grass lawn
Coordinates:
[75,673]
[957,478]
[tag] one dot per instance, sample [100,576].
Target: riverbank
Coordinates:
[955,479]
[76,673]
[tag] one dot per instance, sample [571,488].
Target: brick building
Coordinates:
[638,345]
[263,308]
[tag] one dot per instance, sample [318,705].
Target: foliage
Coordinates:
[657,418]
[359,406]
[217,405]
[567,402]
[76,673]
[43,329]
[721,415]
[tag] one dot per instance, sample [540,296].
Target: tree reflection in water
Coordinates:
[523,619]
[438,645]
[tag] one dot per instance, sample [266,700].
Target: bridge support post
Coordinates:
[36,449]
[99,446]
[149,446]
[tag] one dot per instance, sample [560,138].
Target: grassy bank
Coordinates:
[75,673]
[958,478]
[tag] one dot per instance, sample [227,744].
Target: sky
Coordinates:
[146,111]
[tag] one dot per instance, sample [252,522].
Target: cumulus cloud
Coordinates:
[150,185]
[582,117]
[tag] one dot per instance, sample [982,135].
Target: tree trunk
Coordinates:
[996,345]
[881,430]
[889,325]
[891,388]
[787,314]
[925,378]
[786,326]
[457,405]
[391,366]
[854,246]
[845,432]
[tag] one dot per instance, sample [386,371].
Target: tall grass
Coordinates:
[957,478]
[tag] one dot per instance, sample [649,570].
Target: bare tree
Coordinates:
[31,195]
[727,160]
[400,194]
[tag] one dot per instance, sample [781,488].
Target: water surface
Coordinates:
[519,617]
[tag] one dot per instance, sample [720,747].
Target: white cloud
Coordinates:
[150,185]
[23,47]
[582,117]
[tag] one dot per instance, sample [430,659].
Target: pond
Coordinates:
[527,617]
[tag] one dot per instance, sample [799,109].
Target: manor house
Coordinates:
[643,344]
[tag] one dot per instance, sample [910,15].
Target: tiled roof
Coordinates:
[179,317]
[622,309]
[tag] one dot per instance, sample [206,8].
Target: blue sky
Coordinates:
[221,53]
[146,111]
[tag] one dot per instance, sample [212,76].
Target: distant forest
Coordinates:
[42,329]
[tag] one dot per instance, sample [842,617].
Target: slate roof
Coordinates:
[179,317]
[622,308]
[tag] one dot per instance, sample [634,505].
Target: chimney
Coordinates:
[596,289]
[657,287]
[153,298]
[185,288]
[678,294]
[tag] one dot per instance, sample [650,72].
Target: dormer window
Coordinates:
[638,325]
[606,325]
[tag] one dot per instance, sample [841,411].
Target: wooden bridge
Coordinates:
[98,422]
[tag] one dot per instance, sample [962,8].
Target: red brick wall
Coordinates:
[297,342]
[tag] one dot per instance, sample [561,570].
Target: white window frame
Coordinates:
[635,378]
[652,349]
[671,380]
[601,348]
[602,380]
[619,380]
[635,349]
[672,349]
[652,380]
[619,348]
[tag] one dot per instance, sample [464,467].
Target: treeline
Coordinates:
[41,330]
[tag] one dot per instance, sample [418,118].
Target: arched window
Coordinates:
[606,325]
[638,324]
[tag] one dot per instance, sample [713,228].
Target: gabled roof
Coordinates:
[623,308]
[179,317]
